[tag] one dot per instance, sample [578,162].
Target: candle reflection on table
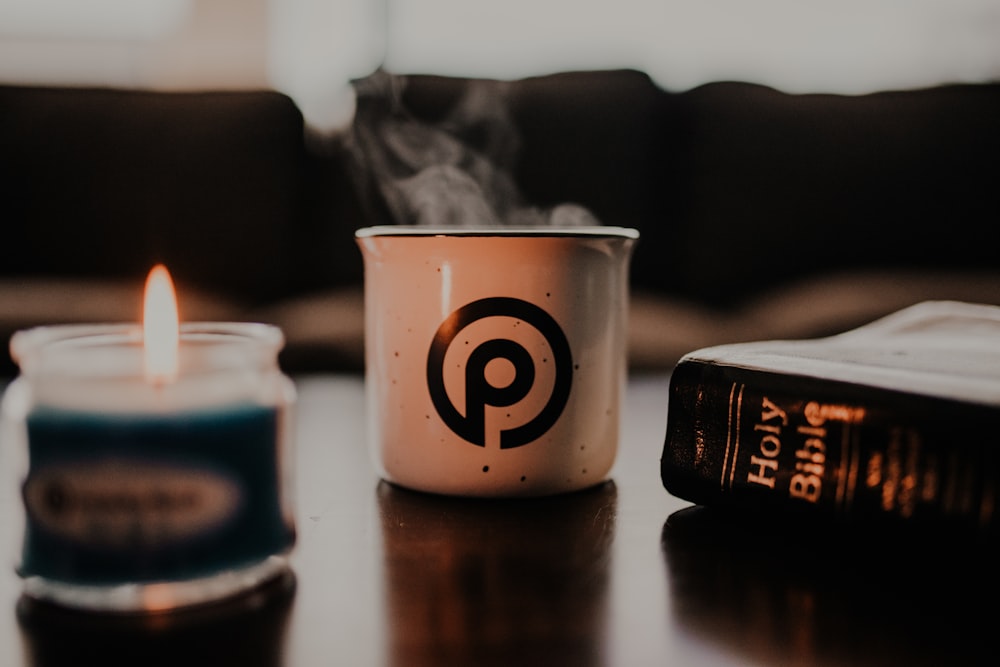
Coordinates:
[248,630]
[465,578]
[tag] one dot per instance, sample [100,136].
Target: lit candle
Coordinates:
[160,327]
[156,459]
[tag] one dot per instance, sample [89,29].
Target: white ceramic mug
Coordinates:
[495,357]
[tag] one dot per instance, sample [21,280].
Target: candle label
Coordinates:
[119,504]
[152,497]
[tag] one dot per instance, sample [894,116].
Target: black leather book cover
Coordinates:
[893,421]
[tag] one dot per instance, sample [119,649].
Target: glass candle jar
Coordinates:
[141,495]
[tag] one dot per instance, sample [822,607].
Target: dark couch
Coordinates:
[762,214]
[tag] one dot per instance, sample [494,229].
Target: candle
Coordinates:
[155,459]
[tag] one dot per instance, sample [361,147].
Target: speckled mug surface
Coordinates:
[495,357]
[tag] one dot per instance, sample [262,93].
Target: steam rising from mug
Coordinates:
[454,171]
[494,359]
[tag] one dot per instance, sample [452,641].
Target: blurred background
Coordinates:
[795,167]
[311,49]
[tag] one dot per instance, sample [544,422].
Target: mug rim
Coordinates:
[496,230]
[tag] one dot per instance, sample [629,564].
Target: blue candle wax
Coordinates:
[136,497]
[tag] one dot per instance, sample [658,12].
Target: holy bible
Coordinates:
[896,421]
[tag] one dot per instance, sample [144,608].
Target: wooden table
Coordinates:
[623,574]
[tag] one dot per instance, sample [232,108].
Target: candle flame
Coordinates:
[160,327]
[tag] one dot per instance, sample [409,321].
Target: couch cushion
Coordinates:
[100,183]
[769,188]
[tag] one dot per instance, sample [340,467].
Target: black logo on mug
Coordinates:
[479,392]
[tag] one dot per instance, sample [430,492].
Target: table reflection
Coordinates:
[781,593]
[498,581]
[247,630]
